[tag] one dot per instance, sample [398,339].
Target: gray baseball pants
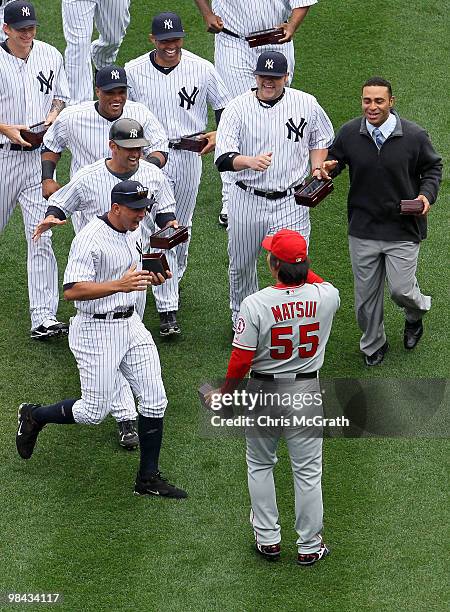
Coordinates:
[305,452]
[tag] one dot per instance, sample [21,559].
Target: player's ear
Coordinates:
[151,39]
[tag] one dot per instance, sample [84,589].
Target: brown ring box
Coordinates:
[35,138]
[411,207]
[169,237]
[155,262]
[191,142]
[265,37]
[313,191]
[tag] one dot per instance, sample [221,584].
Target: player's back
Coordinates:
[288,326]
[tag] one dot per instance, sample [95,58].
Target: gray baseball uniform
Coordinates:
[111,19]
[288,328]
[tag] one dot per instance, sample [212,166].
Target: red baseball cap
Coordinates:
[287,245]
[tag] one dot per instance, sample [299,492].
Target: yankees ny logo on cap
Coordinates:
[25,11]
[133,133]
[166,26]
[115,74]
[271,63]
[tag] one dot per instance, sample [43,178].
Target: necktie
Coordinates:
[378,137]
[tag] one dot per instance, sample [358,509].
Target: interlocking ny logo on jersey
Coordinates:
[295,129]
[168,25]
[269,64]
[115,74]
[25,11]
[186,98]
[46,82]
[133,133]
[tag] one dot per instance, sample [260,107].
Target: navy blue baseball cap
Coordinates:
[111,77]
[166,26]
[131,194]
[271,63]
[19,15]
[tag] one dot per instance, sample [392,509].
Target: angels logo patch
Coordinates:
[240,325]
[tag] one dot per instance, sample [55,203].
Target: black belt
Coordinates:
[16,147]
[300,375]
[270,195]
[230,33]
[125,314]
[174,145]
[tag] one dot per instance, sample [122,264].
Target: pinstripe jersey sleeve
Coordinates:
[81,264]
[322,133]
[227,138]
[218,95]
[301,3]
[61,89]
[71,197]
[56,137]
[153,130]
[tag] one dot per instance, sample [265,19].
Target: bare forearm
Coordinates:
[204,7]
[317,157]
[57,105]
[91,291]
[297,16]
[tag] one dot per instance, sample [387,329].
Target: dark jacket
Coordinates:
[405,166]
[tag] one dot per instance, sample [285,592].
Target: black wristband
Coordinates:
[48,169]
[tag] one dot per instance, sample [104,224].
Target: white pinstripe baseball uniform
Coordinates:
[234,59]
[88,192]
[85,132]
[290,129]
[111,18]
[107,348]
[179,100]
[3,3]
[27,90]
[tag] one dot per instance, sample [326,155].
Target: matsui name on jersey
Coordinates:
[291,310]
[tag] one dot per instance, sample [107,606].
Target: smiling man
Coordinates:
[389,159]
[103,278]
[33,90]
[177,86]
[271,136]
[84,128]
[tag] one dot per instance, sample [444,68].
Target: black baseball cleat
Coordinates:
[223,219]
[377,357]
[28,430]
[157,485]
[128,436]
[412,334]
[311,558]
[270,552]
[168,325]
[50,328]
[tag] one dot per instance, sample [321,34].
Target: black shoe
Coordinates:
[223,220]
[377,357]
[270,552]
[128,436]
[157,485]
[28,430]
[49,329]
[412,334]
[311,558]
[168,324]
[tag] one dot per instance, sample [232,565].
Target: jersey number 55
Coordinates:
[282,346]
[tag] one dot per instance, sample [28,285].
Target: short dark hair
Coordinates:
[290,273]
[380,82]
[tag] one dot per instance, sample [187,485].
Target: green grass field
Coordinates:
[69,521]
